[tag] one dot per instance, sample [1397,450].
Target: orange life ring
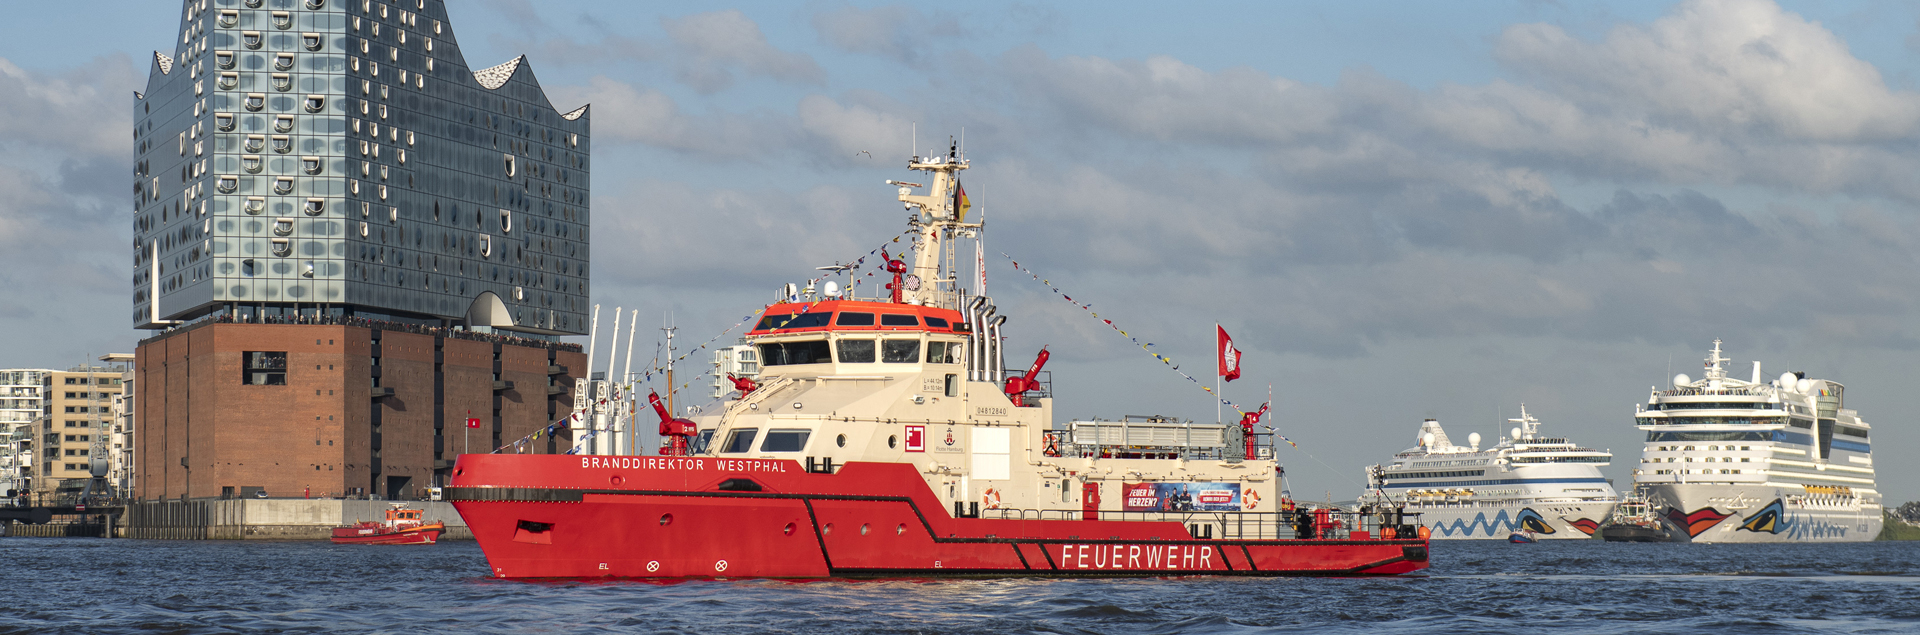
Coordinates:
[990,499]
[1250,500]
[1052,447]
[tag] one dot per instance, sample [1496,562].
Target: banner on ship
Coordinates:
[1182,497]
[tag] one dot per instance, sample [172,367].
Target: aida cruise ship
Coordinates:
[1549,487]
[1731,460]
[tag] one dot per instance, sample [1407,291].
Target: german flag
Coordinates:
[960,203]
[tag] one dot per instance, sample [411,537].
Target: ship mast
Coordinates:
[936,222]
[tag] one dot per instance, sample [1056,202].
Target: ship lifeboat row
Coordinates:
[886,437]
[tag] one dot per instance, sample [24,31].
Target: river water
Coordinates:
[88,585]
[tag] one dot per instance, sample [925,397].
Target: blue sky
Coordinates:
[1401,210]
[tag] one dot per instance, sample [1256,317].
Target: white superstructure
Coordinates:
[1732,460]
[1527,482]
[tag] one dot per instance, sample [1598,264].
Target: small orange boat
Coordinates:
[402,527]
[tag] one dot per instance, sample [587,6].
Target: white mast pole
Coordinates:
[626,375]
[1219,414]
[613,413]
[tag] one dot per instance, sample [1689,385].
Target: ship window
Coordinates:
[892,319]
[785,353]
[899,351]
[1852,432]
[1657,437]
[854,319]
[791,321]
[1801,423]
[943,352]
[855,351]
[953,385]
[785,440]
[739,440]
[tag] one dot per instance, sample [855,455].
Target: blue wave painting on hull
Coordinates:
[1499,526]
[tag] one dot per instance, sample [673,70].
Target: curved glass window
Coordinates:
[854,319]
[791,321]
[787,353]
[855,351]
[739,441]
[891,319]
[937,322]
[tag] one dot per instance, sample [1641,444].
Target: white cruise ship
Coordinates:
[1729,460]
[1550,487]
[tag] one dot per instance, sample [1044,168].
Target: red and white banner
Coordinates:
[1229,356]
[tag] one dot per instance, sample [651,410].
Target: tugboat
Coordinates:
[885,438]
[1635,521]
[403,526]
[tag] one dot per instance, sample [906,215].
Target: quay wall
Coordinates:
[266,519]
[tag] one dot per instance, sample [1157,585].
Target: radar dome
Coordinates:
[1804,385]
[832,289]
[1515,432]
[1682,379]
[1426,440]
[1474,440]
[1787,380]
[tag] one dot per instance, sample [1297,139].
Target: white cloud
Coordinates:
[713,44]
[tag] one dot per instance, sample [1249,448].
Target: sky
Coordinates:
[1399,210]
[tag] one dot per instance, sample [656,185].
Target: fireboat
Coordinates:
[885,438]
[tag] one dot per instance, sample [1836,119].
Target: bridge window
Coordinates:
[855,319]
[855,351]
[937,322]
[785,440]
[943,352]
[899,351]
[791,321]
[893,319]
[740,440]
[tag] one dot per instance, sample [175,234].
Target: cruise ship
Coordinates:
[1549,487]
[1731,460]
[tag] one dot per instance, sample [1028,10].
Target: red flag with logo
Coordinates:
[473,422]
[1229,356]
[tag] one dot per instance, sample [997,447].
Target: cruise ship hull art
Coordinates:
[576,517]
[1698,521]
[1527,482]
[1585,526]
[1770,519]
[1502,524]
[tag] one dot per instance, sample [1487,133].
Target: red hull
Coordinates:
[422,535]
[558,516]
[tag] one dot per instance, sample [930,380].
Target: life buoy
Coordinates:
[990,499]
[1250,500]
[1052,448]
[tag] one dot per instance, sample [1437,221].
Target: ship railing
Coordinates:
[1229,525]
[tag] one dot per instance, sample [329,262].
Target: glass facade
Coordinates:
[339,157]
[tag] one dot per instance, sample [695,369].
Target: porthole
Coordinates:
[892,441]
[787,530]
[827,530]
[840,440]
[666,519]
[251,39]
[863,529]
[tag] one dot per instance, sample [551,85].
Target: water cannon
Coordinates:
[897,268]
[679,432]
[742,384]
[1017,387]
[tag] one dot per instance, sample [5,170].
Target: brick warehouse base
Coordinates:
[233,409]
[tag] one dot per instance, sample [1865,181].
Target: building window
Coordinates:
[251,39]
[264,368]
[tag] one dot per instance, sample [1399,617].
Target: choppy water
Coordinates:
[83,585]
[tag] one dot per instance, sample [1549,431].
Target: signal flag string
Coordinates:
[655,369]
[1145,346]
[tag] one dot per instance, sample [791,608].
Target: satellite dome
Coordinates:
[1682,379]
[1474,440]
